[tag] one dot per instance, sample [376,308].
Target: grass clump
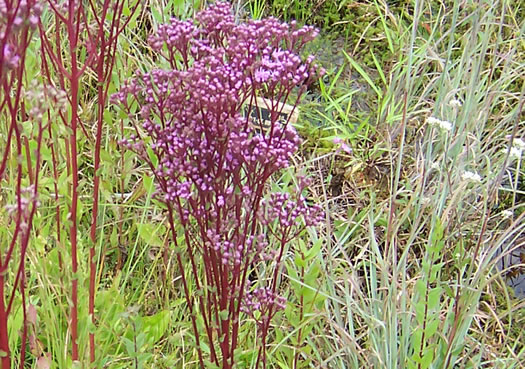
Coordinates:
[417,261]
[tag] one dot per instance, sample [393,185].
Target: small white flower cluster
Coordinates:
[441,124]
[518,145]
[515,153]
[41,96]
[506,214]
[471,177]
[455,103]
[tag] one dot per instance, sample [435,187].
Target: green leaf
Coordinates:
[223,315]
[431,328]
[434,296]
[428,357]
[205,348]
[300,262]
[450,292]
[420,312]
[307,293]
[155,326]
[363,74]
[425,265]
[130,345]
[416,342]
[312,274]
[148,183]
[436,247]
[148,233]
[106,157]
[140,340]
[435,271]
[208,364]
[421,287]
[314,250]
[294,277]
[152,157]
[113,238]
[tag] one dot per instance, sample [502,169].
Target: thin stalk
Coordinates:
[11,81]
[105,62]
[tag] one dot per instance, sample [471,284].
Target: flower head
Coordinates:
[11,58]
[342,145]
[471,177]
[455,103]
[441,124]
[515,153]
[519,143]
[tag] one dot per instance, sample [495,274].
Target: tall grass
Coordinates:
[415,291]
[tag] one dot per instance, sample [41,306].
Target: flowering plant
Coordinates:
[18,20]
[212,165]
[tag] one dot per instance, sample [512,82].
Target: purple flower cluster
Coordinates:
[27,197]
[262,299]
[10,58]
[17,14]
[13,19]
[287,209]
[213,166]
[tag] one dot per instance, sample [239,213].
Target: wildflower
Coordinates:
[455,103]
[441,124]
[211,166]
[262,299]
[343,146]
[518,143]
[11,59]
[515,153]
[505,214]
[262,75]
[433,121]
[471,177]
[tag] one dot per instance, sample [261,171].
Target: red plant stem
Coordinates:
[72,32]
[25,242]
[24,312]
[12,85]
[96,185]
[189,300]
[253,224]
[105,63]
[266,325]
[55,185]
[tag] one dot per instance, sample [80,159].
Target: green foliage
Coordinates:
[404,273]
[320,13]
[427,303]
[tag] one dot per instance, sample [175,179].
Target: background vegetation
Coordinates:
[423,219]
